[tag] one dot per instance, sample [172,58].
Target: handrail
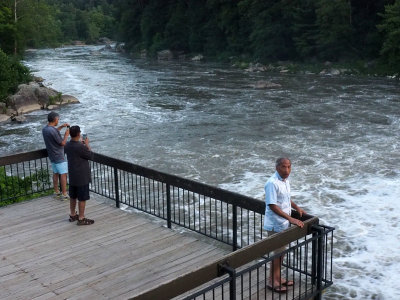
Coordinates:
[234,260]
[20,157]
[194,186]
[197,187]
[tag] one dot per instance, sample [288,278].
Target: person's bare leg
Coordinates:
[81,205]
[64,184]
[72,206]
[276,274]
[55,183]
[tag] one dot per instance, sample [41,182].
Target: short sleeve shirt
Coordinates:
[277,191]
[78,165]
[53,140]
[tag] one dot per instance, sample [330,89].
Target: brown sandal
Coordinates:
[85,221]
[73,218]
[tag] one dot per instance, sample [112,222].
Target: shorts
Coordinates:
[60,168]
[279,250]
[79,192]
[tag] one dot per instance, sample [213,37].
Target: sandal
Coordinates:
[73,218]
[85,221]
[277,288]
[288,283]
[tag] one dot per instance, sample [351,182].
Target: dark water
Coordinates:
[206,122]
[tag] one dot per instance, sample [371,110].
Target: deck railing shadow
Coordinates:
[224,216]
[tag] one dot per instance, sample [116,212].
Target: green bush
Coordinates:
[16,189]
[12,73]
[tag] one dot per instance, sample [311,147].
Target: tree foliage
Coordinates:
[259,30]
[12,73]
[263,30]
[391,29]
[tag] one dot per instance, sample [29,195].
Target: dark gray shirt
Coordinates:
[52,139]
[78,156]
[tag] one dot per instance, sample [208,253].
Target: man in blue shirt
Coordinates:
[55,149]
[278,210]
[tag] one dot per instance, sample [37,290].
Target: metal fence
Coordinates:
[24,176]
[251,281]
[227,217]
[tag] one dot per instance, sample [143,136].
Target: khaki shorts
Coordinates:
[279,250]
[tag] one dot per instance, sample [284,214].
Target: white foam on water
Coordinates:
[367,230]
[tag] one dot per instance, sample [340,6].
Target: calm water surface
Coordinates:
[207,122]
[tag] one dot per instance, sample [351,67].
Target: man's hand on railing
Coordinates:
[296,222]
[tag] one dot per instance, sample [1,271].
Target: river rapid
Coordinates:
[207,122]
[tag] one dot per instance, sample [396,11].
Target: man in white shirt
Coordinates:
[278,215]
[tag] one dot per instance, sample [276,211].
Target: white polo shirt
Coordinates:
[277,191]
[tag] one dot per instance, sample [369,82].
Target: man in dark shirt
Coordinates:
[55,149]
[78,153]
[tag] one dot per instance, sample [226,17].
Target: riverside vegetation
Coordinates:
[360,35]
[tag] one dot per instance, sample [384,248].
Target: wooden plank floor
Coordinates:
[43,256]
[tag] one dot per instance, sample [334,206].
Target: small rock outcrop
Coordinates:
[199,57]
[31,97]
[165,55]
[262,84]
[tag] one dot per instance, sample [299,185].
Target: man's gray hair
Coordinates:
[280,160]
[51,117]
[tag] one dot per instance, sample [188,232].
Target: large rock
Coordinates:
[105,40]
[120,47]
[199,57]
[18,119]
[24,96]
[165,55]
[35,96]
[262,84]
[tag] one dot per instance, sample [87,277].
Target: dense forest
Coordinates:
[264,31]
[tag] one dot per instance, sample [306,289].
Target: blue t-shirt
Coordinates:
[277,191]
[52,139]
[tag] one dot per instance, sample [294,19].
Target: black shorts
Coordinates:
[79,192]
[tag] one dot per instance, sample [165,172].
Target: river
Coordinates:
[207,122]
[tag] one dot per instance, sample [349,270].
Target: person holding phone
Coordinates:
[55,149]
[78,153]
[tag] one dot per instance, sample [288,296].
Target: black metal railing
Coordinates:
[252,281]
[228,217]
[24,176]
[225,216]
[245,274]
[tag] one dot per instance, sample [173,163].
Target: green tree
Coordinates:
[304,28]
[7,29]
[334,29]
[12,73]
[271,37]
[390,27]
[176,30]
[152,23]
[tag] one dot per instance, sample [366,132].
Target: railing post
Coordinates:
[319,259]
[225,268]
[169,223]
[234,227]
[116,185]
[314,257]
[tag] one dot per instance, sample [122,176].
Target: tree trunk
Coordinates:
[15,21]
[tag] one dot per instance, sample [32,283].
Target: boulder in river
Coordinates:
[263,84]
[198,58]
[31,97]
[165,55]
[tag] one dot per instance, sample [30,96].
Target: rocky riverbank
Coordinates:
[30,97]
